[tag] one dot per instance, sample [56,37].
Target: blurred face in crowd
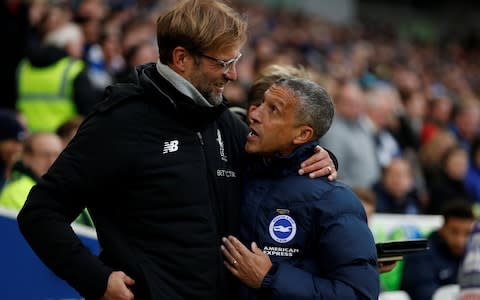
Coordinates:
[273,124]
[10,151]
[398,178]
[209,75]
[456,164]
[146,53]
[350,102]
[416,106]
[382,111]
[468,122]
[455,232]
[441,110]
[45,148]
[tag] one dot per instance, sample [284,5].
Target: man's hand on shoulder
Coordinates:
[117,288]
[318,165]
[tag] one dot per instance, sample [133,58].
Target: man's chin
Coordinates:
[215,99]
[251,149]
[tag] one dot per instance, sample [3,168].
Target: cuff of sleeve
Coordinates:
[268,279]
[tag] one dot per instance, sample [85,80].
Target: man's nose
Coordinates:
[231,73]
[254,115]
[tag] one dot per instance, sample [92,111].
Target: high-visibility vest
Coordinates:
[45,94]
[15,192]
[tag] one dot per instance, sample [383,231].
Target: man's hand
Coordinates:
[117,288]
[318,165]
[249,266]
[387,266]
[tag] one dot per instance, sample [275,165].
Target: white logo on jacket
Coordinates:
[221,145]
[169,147]
[282,229]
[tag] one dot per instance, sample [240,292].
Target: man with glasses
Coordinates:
[159,166]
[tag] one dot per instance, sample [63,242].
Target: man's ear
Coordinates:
[179,56]
[305,134]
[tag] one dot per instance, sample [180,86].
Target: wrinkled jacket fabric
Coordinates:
[161,179]
[314,231]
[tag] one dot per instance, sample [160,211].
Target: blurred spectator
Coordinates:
[425,272]
[12,134]
[448,184]
[52,83]
[472,179]
[395,192]
[382,103]
[40,151]
[69,128]
[465,123]
[469,273]
[433,150]
[439,109]
[351,139]
[408,123]
[142,53]
[104,59]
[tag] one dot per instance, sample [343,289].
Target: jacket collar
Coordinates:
[149,84]
[181,84]
[278,166]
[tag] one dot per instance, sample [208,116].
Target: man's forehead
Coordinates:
[281,93]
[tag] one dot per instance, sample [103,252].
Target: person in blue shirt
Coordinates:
[300,238]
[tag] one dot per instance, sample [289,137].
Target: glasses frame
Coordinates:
[226,64]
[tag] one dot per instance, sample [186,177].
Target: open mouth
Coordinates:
[252,132]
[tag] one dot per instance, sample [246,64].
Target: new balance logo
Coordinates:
[169,147]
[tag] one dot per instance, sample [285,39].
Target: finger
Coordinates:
[242,250]
[128,280]
[129,295]
[230,268]
[317,165]
[318,149]
[229,257]
[231,248]
[318,169]
[333,175]
[320,154]
[255,249]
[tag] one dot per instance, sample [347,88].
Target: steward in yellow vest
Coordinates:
[52,88]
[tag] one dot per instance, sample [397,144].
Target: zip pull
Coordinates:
[200,137]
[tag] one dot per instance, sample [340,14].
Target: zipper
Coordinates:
[216,218]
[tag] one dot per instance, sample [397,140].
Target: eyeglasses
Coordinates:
[226,64]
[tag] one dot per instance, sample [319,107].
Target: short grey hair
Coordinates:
[315,107]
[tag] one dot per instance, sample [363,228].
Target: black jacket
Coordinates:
[161,179]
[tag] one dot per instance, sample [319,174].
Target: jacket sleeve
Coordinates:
[346,258]
[82,176]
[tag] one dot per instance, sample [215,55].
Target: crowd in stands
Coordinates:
[407,119]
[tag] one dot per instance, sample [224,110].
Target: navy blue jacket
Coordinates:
[315,232]
[425,272]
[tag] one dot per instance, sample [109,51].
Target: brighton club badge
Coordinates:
[282,228]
